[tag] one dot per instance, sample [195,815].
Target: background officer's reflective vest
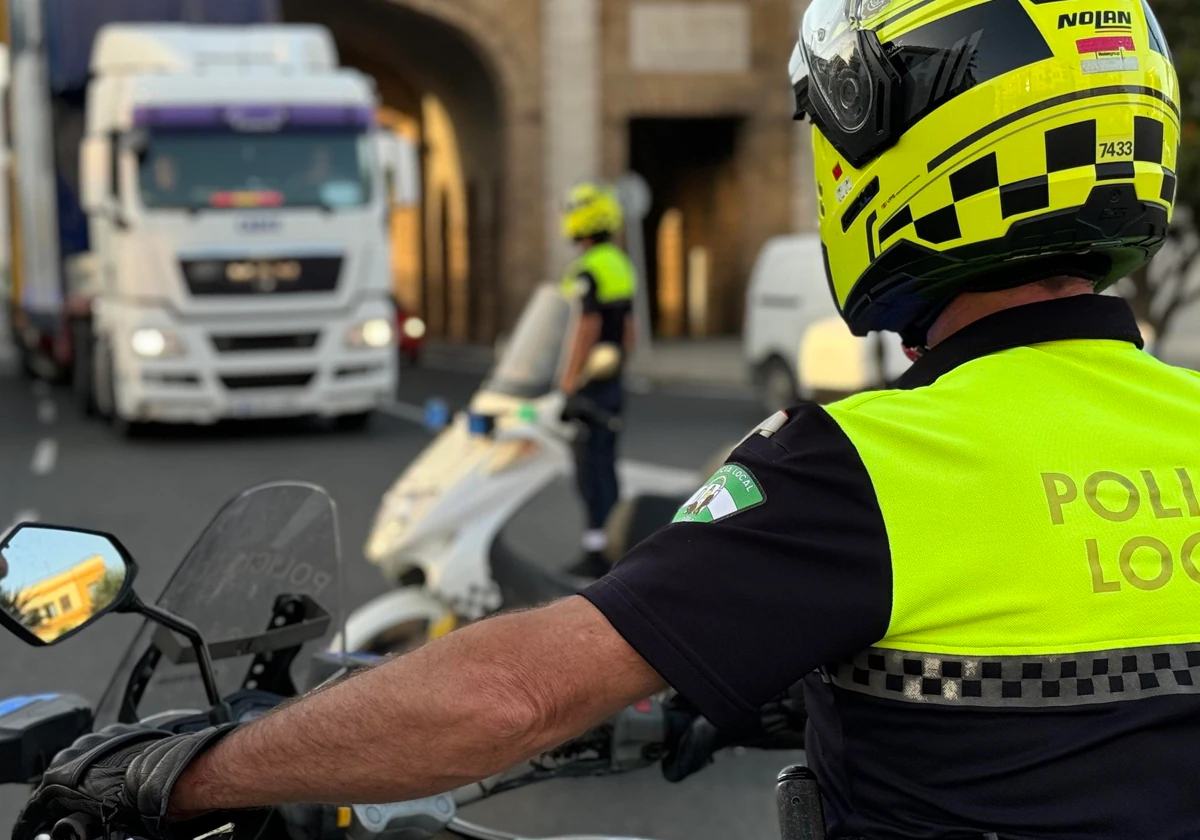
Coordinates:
[610,268]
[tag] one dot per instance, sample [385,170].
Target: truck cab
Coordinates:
[237,189]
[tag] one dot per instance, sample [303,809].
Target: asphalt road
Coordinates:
[159,492]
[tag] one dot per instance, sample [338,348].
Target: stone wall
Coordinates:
[569,77]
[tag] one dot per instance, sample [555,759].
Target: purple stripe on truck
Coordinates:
[253,117]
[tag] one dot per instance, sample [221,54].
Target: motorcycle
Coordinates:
[223,643]
[438,533]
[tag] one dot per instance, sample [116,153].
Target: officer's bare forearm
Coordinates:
[458,710]
[587,335]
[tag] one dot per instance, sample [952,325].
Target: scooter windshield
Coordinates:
[529,366]
[268,543]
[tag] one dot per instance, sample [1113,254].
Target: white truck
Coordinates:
[236,189]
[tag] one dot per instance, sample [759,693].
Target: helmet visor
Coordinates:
[838,73]
[843,80]
[864,95]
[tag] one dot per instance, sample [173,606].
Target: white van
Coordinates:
[787,297]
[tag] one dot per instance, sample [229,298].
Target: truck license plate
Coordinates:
[261,408]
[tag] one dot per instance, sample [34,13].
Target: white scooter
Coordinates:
[437,532]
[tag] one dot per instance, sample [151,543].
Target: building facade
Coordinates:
[692,95]
[66,600]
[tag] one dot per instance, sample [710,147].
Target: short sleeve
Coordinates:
[585,285]
[777,566]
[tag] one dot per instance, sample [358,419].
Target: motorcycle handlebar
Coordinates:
[637,737]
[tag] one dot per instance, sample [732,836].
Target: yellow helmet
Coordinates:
[971,146]
[592,210]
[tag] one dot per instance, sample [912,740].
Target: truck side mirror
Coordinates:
[95,174]
[401,161]
[406,176]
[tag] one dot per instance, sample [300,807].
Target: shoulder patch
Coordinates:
[732,489]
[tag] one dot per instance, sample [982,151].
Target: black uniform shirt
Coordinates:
[733,612]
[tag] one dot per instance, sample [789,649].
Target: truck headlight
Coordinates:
[414,328]
[153,343]
[375,333]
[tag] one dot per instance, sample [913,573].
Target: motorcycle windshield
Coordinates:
[529,365]
[270,541]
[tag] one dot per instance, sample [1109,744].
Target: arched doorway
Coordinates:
[457,87]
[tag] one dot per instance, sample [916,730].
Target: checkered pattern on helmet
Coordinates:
[1023,681]
[1072,146]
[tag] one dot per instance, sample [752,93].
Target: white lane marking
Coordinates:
[45,454]
[47,412]
[41,388]
[23,516]
[404,411]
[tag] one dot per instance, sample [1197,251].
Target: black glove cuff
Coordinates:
[151,779]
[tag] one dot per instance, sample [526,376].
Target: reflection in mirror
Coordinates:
[54,581]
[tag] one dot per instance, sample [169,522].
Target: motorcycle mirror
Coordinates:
[56,581]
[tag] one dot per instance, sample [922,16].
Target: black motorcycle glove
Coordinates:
[575,408]
[692,740]
[121,778]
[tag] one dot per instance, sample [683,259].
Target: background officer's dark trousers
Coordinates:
[596,455]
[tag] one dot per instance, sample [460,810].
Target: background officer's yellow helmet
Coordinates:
[964,145]
[592,210]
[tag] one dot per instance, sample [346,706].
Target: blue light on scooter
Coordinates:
[480,424]
[437,414]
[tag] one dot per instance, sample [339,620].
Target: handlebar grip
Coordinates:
[75,827]
[798,798]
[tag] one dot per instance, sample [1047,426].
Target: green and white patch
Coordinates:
[731,490]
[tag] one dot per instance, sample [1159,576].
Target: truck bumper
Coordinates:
[286,367]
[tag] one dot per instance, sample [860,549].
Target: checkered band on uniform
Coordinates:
[1022,681]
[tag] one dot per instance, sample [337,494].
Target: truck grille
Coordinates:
[262,277]
[268,380]
[253,343]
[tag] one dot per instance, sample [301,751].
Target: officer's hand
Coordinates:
[576,408]
[121,778]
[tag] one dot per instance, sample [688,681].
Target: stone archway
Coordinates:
[484,67]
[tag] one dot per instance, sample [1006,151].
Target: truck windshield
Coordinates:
[194,170]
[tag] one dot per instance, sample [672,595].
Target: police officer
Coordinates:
[602,281]
[988,578]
